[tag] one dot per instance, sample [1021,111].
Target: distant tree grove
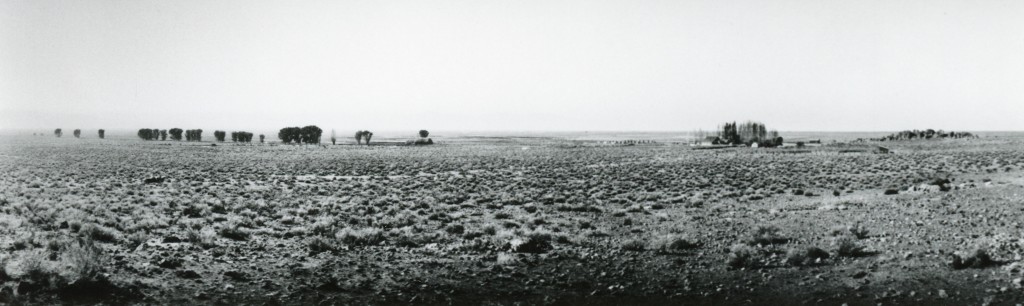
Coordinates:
[194,135]
[78,133]
[241,136]
[925,134]
[748,133]
[175,134]
[102,132]
[149,134]
[58,132]
[219,135]
[307,134]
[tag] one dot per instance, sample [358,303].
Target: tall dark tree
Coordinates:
[359,137]
[78,133]
[424,133]
[234,136]
[58,132]
[367,135]
[102,132]
[261,138]
[311,134]
[149,134]
[175,134]
[163,134]
[289,135]
[219,135]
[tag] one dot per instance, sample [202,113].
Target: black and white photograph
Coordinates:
[500,152]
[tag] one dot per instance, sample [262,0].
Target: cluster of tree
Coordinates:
[149,134]
[219,135]
[925,134]
[163,134]
[242,137]
[306,134]
[194,135]
[102,133]
[360,135]
[748,133]
[175,133]
[58,132]
[78,133]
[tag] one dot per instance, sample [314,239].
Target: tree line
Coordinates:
[924,134]
[748,133]
[309,134]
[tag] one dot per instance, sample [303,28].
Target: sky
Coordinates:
[532,65]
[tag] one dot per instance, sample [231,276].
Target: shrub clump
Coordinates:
[977,259]
[766,235]
[673,243]
[99,233]
[847,246]
[805,256]
[635,245]
[742,256]
[234,232]
[537,241]
[360,237]
[857,230]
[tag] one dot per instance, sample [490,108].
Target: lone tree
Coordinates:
[78,133]
[58,132]
[261,138]
[333,139]
[424,133]
[219,135]
[367,135]
[175,134]
[359,137]
[102,132]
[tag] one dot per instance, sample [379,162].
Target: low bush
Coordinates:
[360,237]
[673,243]
[979,258]
[742,256]
[805,256]
[766,235]
[635,245]
[847,246]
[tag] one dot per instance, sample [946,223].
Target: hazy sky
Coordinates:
[512,65]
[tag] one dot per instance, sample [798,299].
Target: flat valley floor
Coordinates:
[538,220]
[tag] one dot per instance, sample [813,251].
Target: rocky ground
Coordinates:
[551,222]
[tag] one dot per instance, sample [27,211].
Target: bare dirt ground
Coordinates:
[539,221]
